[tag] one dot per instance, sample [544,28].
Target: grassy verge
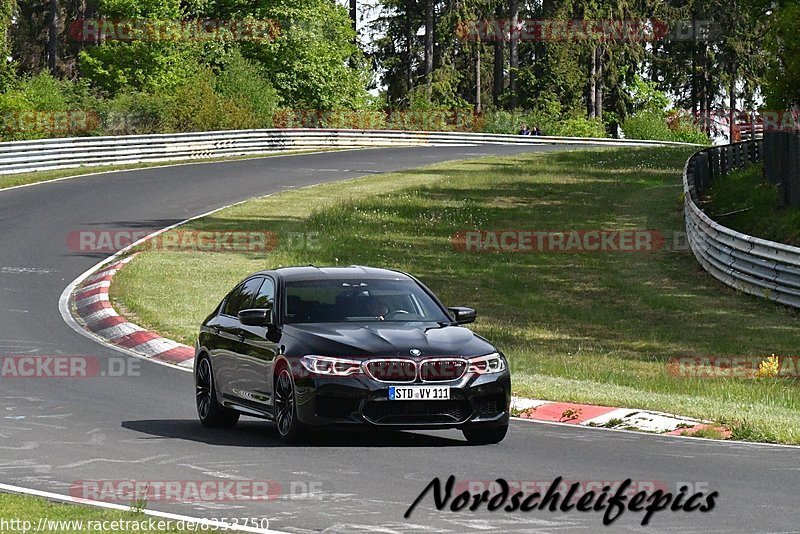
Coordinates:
[745,201]
[21,512]
[583,327]
[14,180]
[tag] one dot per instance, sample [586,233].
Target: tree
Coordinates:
[314,62]
[513,51]
[782,89]
[429,31]
[6,68]
[498,61]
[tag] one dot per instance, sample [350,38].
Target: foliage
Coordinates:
[745,201]
[567,82]
[136,113]
[658,125]
[198,107]
[782,88]
[313,63]
[509,122]
[138,66]
[769,368]
[246,84]
[36,107]
[645,95]
[6,67]
[578,127]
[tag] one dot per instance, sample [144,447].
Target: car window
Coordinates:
[241,298]
[266,295]
[342,300]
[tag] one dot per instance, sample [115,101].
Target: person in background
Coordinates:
[536,131]
[523,129]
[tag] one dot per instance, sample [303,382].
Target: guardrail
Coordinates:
[50,154]
[749,264]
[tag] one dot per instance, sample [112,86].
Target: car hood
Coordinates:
[388,339]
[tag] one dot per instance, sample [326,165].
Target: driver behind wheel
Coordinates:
[377,308]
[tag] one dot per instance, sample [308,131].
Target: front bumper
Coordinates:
[475,399]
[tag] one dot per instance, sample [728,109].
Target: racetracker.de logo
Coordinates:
[157,30]
[127,491]
[67,367]
[734,366]
[49,122]
[175,241]
[583,30]
[558,241]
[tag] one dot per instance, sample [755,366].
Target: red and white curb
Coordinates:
[608,417]
[91,307]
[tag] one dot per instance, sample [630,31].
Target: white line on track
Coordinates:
[119,507]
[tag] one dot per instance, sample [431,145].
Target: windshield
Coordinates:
[345,300]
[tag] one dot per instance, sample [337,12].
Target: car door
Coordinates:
[257,354]
[230,335]
[221,345]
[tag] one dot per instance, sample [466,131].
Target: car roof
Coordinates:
[311,272]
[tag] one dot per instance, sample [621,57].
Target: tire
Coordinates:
[290,429]
[485,436]
[209,411]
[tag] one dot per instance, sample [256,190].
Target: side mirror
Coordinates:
[463,315]
[256,317]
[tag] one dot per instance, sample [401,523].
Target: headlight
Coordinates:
[326,365]
[491,363]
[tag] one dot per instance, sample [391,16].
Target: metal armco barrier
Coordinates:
[750,264]
[50,154]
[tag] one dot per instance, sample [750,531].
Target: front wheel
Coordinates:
[209,411]
[290,429]
[485,436]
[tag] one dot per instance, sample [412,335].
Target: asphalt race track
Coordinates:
[55,433]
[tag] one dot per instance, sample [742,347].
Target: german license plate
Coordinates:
[419,393]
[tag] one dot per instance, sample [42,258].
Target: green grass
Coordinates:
[745,201]
[580,327]
[34,509]
[13,180]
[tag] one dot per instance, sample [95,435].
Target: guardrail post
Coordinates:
[790,178]
[772,156]
[691,165]
[701,173]
[723,160]
[714,164]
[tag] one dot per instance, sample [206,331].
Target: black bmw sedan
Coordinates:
[321,347]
